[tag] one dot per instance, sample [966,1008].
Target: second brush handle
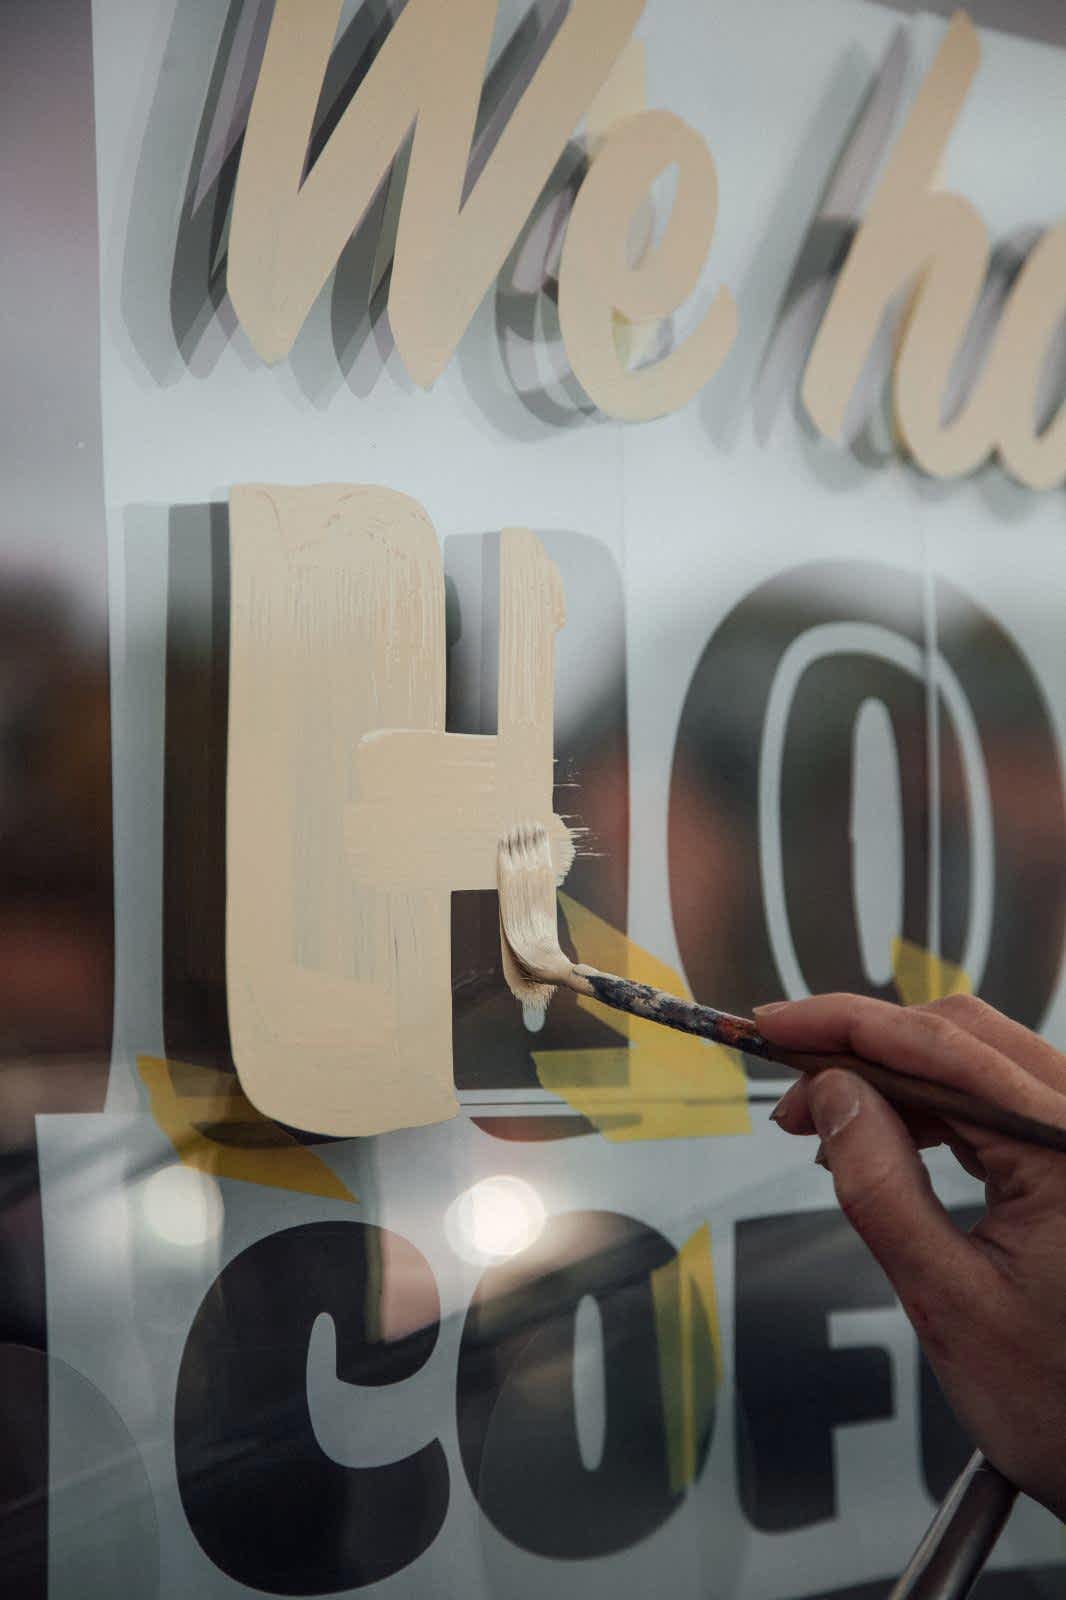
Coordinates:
[740,1033]
[960,1538]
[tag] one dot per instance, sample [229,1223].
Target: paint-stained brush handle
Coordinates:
[740,1033]
[641,1000]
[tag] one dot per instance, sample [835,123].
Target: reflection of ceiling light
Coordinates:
[183,1206]
[496,1218]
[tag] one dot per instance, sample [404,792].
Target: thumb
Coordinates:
[885,1193]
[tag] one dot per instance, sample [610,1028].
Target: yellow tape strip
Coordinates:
[216,1129]
[664,1084]
[921,976]
[690,1352]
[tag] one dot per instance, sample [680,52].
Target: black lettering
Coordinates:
[518,1432]
[267,1505]
[793,1388]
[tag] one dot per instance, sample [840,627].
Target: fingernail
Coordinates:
[834,1101]
[780,1112]
[773,1005]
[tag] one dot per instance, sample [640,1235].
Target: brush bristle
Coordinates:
[533,961]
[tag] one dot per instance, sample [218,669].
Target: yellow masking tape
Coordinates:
[216,1129]
[690,1352]
[921,976]
[664,1084]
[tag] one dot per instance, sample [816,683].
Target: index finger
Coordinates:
[926,1044]
[1010,1038]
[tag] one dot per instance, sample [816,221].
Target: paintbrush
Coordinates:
[534,964]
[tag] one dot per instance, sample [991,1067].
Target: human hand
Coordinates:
[989,1307]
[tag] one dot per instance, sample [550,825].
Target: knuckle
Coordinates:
[940,1028]
[964,1009]
[862,1196]
[866,1005]
[861,1016]
[900,1030]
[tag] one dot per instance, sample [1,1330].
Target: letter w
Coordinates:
[286,235]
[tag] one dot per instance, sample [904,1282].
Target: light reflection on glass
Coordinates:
[183,1206]
[494,1219]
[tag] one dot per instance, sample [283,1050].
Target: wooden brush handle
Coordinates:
[740,1033]
[937,1099]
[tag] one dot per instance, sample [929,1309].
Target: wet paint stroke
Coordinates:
[351,814]
[433,805]
[215,1128]
[661,1084]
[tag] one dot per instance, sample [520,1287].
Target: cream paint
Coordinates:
[433,805]
[288,232]
[912,230]
[596,280]
[286,236]
[624,94]
[352,815]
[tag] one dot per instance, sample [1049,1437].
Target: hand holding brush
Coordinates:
[878,1083]
[535,964]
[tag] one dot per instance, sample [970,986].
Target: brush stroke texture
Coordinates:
[351,814]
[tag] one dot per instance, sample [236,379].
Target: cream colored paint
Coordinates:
[287,235]
[433,805]
[624,94]
[352,815]
[288,232]
[598,283]
[913,230]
